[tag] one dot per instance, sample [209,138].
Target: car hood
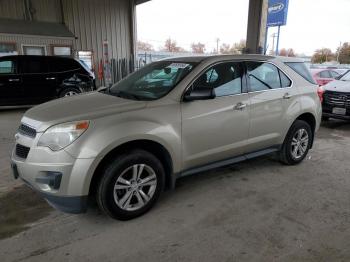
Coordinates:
[79,107]
[338,85]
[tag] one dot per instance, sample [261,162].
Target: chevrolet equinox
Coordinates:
[172,118]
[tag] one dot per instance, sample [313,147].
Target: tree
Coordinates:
[322,55]
[171,46]
[225,49]
[236,48]
[198,48]
[287,52]
[144,46]
[344,54]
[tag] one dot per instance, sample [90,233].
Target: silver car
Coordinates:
[173,118]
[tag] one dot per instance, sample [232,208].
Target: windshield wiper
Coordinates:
[126,95]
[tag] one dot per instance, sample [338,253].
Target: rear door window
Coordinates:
[265,76]
[34,65]
[325,74]
[302,70]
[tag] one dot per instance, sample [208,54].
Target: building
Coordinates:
[92,30]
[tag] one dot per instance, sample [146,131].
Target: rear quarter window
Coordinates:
[301,69]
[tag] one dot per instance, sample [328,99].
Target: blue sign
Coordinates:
[277,13]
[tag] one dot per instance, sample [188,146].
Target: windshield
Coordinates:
[152,81]
[345,77]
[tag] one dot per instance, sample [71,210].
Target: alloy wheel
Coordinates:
[135,187]
[300,143]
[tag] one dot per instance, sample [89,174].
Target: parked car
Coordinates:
[30,80]
[336,98]
[324,76]
[126,144]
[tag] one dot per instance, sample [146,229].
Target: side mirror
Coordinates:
[201,94]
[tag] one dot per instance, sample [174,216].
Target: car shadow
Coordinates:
[336,124]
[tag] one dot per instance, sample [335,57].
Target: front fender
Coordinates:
[101,139]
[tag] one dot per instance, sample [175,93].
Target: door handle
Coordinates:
[14,80]
[287,96]
[50,78]
[240,106]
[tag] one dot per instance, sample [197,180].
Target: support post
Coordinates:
[256,31]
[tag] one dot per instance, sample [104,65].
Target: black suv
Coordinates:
[30,80]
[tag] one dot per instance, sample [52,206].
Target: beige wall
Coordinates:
[91,21]
[44,10]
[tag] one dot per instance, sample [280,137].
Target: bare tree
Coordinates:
[287,52]
[198,48]
[171,46]
[144,46]
[236,48]
[322,55]
[225,49]
[344,54]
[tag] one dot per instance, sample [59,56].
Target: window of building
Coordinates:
[62,50]
[34,49]
[225,78]
[8,49]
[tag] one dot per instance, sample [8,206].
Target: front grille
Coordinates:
[337,99]
[22,151]
[27,130]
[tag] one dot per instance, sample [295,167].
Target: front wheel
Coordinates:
[297,143]
[130,185]
[69,92]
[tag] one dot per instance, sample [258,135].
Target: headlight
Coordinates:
[59,136]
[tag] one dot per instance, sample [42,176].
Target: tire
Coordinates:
[70,91]
[124,203]
[299,136]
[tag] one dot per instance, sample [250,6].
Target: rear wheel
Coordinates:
[297,143]
[71,91]
[130,185]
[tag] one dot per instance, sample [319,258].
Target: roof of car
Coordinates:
[201,58]
[34,56]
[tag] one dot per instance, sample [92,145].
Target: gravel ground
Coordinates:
[258,210]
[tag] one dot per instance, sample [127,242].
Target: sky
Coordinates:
[311,24]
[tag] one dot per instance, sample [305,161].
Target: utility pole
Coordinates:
[278,40]
[217,45]
[274,35]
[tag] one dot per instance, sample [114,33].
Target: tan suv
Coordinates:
[170,119]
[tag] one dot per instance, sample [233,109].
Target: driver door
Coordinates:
[216,129]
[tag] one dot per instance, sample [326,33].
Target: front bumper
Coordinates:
[57,176]
[327,111]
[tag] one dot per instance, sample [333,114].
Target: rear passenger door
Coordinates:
[38,83]
[270,97]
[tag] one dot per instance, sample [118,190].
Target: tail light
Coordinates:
[320,92]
